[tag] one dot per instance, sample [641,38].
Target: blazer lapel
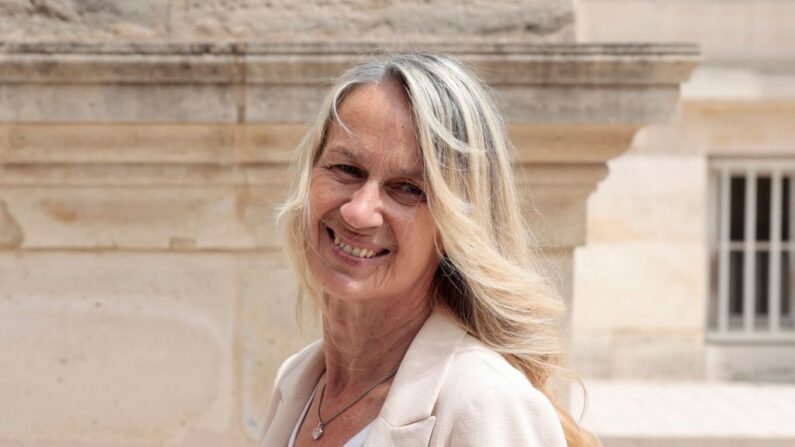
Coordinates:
[406,417]
[293,391]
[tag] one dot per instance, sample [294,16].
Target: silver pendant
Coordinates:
[317,432]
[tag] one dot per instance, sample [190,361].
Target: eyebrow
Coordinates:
[418,175]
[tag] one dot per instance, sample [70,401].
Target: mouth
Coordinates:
[352,250]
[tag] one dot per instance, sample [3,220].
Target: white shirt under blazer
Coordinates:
[450,390]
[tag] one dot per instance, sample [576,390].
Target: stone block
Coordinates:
[639,354]
[567,83]
[144,217]
[556,214]
[689,413]
[117,143]
[283,103]
[741,85]
[164,145]
[762,29]
[551,21]
[761,362]
[740,128]
[650,198]
[574,144]
[589,355]
[114,103]
[657,354]
[83,20]
[268,329]
[10,233]
[723,127]
[582,104]
[641,284]
[122,349]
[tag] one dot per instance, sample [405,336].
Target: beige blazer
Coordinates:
[450,390]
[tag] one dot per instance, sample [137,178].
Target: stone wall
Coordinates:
[287,20]
[643,277]
[143,297]
[750,33]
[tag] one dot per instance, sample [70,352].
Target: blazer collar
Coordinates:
[406,417]
[293,391]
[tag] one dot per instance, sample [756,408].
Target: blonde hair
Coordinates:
[489,277]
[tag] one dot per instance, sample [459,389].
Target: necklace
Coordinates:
[318,431]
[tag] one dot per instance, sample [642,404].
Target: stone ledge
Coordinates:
[320,48]
[281,82]
[210,147]
[309,63]
[656,413]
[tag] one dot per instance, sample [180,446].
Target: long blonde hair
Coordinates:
[489,277]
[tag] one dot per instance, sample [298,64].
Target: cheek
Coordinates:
[321,198]
[421,235]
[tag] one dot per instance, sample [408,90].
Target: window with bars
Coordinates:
[751,249]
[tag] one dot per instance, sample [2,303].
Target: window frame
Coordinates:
[720,324]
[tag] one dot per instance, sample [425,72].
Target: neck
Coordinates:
[365,341]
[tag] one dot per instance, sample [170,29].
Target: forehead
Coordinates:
[378,128]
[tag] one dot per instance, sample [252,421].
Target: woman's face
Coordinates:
[371,235]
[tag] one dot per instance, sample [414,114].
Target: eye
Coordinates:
[414,190]
[409,193]
[346,171]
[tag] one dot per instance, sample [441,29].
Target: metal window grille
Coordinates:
[752,239]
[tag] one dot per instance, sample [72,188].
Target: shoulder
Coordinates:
[486,401]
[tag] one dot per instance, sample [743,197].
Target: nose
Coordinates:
[363,210]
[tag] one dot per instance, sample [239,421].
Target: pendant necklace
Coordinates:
[321,426]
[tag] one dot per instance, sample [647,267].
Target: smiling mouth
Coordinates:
[357,252]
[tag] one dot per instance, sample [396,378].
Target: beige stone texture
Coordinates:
[143,297]
[201,146]
[651,226]
[759,362]
[644,269]
[723,128]
[748,32]
[527,20]
[140,217]
[141,348]
[729,83]
[84,103]
[641,283]
[580,144]
[108,347]
[10,232]
[282,83]
[190,186]
[268,331]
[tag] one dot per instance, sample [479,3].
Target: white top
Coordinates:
[356,441]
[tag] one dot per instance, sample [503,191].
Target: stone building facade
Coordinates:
[657,217]
[683,293]
[143,145]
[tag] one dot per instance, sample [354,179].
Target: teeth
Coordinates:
[353,251]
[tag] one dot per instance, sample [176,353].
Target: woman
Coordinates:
[404,228]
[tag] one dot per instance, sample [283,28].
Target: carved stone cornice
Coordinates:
[283,82]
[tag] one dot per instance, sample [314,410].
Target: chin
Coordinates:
[337,284]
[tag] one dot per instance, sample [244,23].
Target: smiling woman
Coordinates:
[370,228]
[404,229]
